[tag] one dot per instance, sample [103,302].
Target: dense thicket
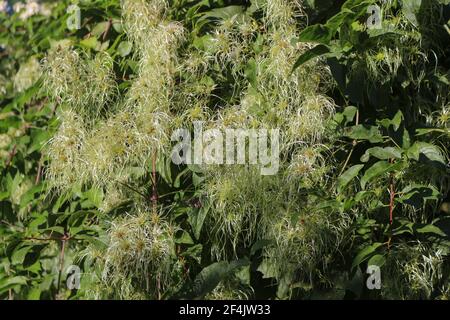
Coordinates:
[88,184]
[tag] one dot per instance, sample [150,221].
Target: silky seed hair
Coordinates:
[63,75]
[140,247]
[140,127]
[66,168]
[128,133]
[75,80]
[419,269]
[103,86]
[295,102]
[150,96]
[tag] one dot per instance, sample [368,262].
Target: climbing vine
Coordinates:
[93,206]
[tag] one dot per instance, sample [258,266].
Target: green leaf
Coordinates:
[164,168]
[365,254]
[348,176]
[360,196]
[99,28]
[8,283]
[416,195]
[335,22]
[377,260]
[410,9]
[378,169]
[33,256]
[117,26]
[395,122]
[91,43]
[38,138]
[349,114]
[183,238]
[333,204]
[194,252]
[251,72]
[30,195]
[177,182]
[316,33]
[197,179]
[34,294]
[205,43]
[382,153]
[18,255]
[258,245]
[425,131]
[223,13]
[210,277]
[311,54]
[268,269]
[77,218]
[95,196]
[355,4]
[406,140]
[405,227]
[429,228]
[38,221]
[124,48]
[95,241]
[361,132]
[426,152]
[197,218]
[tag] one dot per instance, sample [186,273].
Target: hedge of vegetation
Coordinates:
[93,207]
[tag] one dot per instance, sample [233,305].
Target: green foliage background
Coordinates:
[86,117]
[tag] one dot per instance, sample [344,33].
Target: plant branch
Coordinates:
[65,238]
[154,197]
